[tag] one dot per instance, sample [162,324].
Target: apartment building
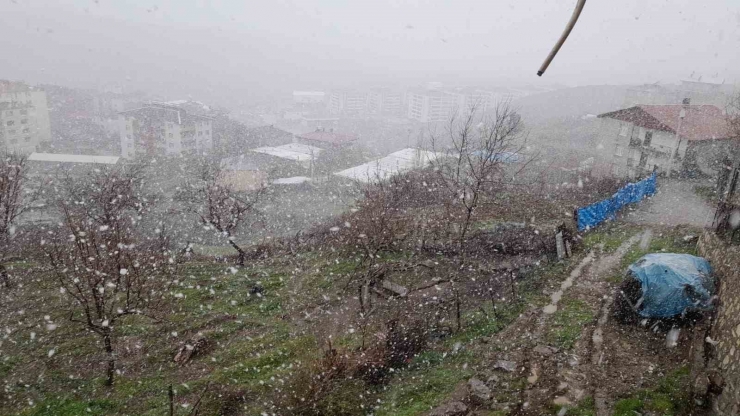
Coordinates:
[383,101]
[24,117]
[163,130]
[348,102]
[431,105]
[667,138]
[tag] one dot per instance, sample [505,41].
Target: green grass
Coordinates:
[70,407]
[707,192]
[669,397]
[421,389]
[668,241]
[568,322]
[610,238]
[585,407]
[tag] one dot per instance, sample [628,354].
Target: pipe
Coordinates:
[563,37]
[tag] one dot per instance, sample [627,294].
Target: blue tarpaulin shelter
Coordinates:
[672,283]
[596,213]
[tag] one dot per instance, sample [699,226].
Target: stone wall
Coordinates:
[725,260]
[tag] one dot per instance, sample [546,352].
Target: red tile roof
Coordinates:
[702,122]
[328,137]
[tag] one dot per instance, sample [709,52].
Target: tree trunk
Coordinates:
[242,253]
[171,397]
[4,276]
[458,316]
[111,370]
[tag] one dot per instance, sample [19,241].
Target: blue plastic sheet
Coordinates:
[592,215]
[672,283]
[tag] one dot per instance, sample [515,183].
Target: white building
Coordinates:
[664,137]
[24,117]
[160,129]
[348,102]
[431,105]
[385,101]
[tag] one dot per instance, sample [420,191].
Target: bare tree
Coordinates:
[472,153]
[380,224]
[218,206]
[15,199]
[107,265]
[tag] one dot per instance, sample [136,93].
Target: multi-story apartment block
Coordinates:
[24,117]
[385,101]
[348,102]
[160,129]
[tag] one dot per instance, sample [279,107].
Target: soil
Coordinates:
[609,361]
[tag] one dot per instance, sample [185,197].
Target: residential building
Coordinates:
[24,117]
[385,101]
[241,175]
[348,102]
[431,105]
[159,129]
[668,138]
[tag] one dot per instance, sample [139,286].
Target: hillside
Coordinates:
[571,102]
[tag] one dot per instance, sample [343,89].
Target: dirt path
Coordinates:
[564,377]
[675,203]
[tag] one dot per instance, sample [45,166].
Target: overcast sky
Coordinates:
[223,49]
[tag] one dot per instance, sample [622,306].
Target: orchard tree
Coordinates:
[107,264]
[472,154]
[218,206]
[15,199]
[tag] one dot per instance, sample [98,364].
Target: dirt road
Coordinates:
[675,203]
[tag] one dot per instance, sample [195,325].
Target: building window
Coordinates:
[11,131]
[648,138]
[10,122]
[8,113]
[624,131]
[13,141]
[26,130]
[208,132]
[24,112]
[615,170]
[24,121]
[170,135]
[619,151]
[28,138]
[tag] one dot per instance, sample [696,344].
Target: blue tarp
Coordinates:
[672,283]
[596,213]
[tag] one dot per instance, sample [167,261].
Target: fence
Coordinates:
[592,215]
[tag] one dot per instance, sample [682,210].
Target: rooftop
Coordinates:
[66,158]
[166,111]
[293,151]
[393,164]
[701,122]
[328,137]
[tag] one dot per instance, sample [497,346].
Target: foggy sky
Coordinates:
[234,51]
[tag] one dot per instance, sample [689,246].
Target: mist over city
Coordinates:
[323,207]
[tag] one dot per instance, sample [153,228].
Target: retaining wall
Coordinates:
[725,260]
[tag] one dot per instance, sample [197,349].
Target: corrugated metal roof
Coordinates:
[292,180]
[65,158]
[328,137]
[293,151]
[393,164]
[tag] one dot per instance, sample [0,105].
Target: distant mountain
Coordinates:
[571,102]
